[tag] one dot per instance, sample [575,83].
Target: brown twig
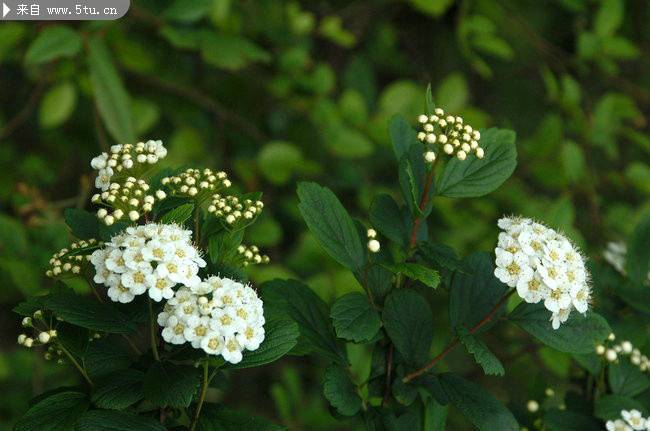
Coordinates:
[24,113]
[202,100]
[487,318]
[389,370]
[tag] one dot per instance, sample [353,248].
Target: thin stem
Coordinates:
[204,390]
[488,317]
[154,337]
[389,368]
[424,201]
[76,364]
[132,345]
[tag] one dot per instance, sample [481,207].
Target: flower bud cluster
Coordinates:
[125,157]
[373,243]
[196,183]
[251,255]
[544,266]
[70,260]
[41,333]
[630,420]
[450,134]
[130,200]
[231,209]
[219,315]
[151,258]
[611,352]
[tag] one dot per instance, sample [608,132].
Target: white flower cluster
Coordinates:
[151,257]
[219,315]
[631,420]
[231,209]
[124,157]
[373,244]
[70,260]
[615,254]
[450,133]
[625,348]
[544,266]
[196,183]
[131,199]
[251,255]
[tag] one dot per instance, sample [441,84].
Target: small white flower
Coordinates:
[634,419]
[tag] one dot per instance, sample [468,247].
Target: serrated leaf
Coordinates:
[340,391]
[220,418]
[408,321]
[84,225]
[119,390]
[104,356]
[579,334]
[354,318]
[387,218]
[280,337]
[482,355]
[55,41]
[57,412]
[292,299]
[627,379]
[178,215]
[88,313]
[609,407]
[166,384]
[476,177]
[331,224]
[111,420]
[111,97]
[473,295]
[477,405]
[416,271]
[402,136]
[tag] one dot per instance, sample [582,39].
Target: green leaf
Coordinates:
[57,105]
[609,407]
[278,160]
[166,384]
[84,224]
[292,299]
[88,313]
[627,379]
[475,294]
[482,355]
[222,246]
[55,41]
[429,104]
[220,418]
[579,334]
[188,11]
[340,391]
[404,393]
[408,321]
[178,215]
[637,264]
[354,318]
[477,405]
[230,52]
[435,415]
[57,412]
[387,218]
[609,17]
[281,335]
[416,271]
[331,224]
[111,97]
[402,136]
[111,420]
[119,390]
[104,356]
[476,177]
[565,420]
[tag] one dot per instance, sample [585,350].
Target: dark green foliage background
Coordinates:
[280,91]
